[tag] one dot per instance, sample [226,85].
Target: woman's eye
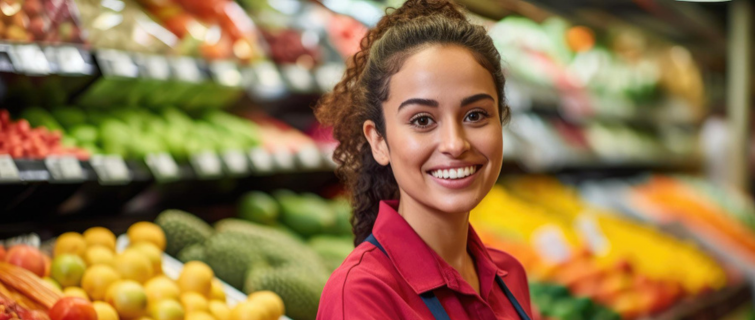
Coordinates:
[422,121]
[475,116]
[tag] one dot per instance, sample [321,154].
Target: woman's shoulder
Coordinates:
[366,263]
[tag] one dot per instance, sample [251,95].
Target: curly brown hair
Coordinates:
[359,95]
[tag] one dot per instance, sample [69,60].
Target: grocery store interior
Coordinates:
[160,159]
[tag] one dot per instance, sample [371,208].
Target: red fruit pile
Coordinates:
[22,141]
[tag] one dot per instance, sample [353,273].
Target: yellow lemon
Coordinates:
[98,254]
[104,311]
[167,310]
[97,279]
[147,231]
[196,277]
[100,236]
[249,311]
[219,310]
[143,318]
[269,300]
[128,298]
[216,290]
[152,252]
[76,292]
[199,315]
[132,265]
[161,288]
[193,301]
[70,243]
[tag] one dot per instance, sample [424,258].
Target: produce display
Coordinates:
[22,140]
[134,132]
[44,21]
[720,215]
[86,278]
[628,267]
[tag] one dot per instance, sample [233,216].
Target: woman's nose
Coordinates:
[453,140]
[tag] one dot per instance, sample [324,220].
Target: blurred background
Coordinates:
[626,189]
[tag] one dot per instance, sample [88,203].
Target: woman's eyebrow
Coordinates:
[424,102]
[475,98]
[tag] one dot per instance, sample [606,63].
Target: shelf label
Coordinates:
[117,63]
[7,58]
[299,78]
[593,235]
[261,160]
[329,75]
[236,163]
[226,73]
[550,243]
[110,169]
[309,156]
[206,164]
[71,60]
[64,168]
[8,170]
[163,167]
[33,59]
[186,69]
[153,66]
[284,159]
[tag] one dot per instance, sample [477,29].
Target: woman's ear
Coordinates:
[377,143]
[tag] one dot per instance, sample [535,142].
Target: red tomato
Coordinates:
[26,257]
[72,308]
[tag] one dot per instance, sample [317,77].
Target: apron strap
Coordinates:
[432,302]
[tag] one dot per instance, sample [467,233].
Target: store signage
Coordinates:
[110,169]
[64,168]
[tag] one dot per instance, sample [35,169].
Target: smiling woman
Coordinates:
[418,117]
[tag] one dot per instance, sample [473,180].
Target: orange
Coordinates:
[152,252]
[98,254]
[216,290]
[132,265]
[167,310]
[219,310]
[161,288]
[104,311]
[270,300]
[199,315]
[249,311]
[147,231]
[193,301]
[97,279]
[196,277]
[76,292]
[128,298]
[70,243]
[100,236]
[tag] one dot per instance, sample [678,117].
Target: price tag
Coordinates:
[268,82]
[261,160]
[550,243]
[8,170]
[206,164]
[284,159]
[309,156]
[226,73]
[110,169]
[592,234]
[71,61]
[163,167]
[64,168]
[298,78]
[117,63]
[235,162]
[7,58]
[328,75]
[33,59]
[186,69]
[153,66]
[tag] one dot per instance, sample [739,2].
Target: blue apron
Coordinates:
[432,302]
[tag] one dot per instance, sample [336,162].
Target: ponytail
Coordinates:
[359,95]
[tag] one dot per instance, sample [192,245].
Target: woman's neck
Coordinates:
[446,233]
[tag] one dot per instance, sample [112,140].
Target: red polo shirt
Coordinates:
[373,285]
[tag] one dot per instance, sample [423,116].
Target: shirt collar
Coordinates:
[419,265]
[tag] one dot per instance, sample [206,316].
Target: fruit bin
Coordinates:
[172,268]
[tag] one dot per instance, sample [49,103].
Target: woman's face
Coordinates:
[444,140]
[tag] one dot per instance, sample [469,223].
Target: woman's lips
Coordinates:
[455,178]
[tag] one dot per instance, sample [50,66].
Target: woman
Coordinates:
[418,116]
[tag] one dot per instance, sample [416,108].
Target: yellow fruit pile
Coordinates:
[130,285]
[539,203]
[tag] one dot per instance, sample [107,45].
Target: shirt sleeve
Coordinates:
[356,295]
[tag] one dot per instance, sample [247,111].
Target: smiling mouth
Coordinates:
[455,173]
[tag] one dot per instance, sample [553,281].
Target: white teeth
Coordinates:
[456,173]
